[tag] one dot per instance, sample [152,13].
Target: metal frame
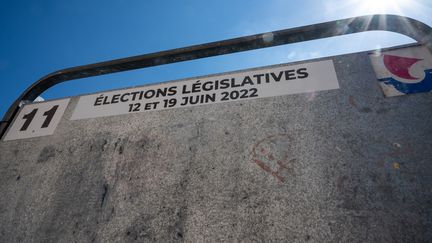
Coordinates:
[417,30]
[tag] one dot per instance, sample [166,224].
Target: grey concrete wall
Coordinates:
[343,165]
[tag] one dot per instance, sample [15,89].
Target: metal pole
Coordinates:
[417,30]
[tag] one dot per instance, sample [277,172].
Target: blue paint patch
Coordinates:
[409,88]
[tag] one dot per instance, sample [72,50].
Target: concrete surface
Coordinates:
[344,165]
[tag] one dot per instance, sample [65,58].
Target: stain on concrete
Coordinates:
[143,142]
[77,200]
[365,109]
[141,229]
[117,142]
[352,101]
[104,143]
[104,194]
[177,230]
[120,145]
[382,110]
[46,153]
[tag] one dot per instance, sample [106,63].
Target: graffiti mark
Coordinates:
[272,155]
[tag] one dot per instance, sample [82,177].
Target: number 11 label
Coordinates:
[37,119]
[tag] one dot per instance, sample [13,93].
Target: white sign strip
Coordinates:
[260,83]
[37,119]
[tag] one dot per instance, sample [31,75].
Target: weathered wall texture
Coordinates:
[343,165]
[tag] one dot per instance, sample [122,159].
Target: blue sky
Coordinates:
[39,37]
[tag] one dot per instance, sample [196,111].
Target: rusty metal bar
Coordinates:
[417,30]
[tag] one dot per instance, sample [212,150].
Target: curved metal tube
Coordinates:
[417,30]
